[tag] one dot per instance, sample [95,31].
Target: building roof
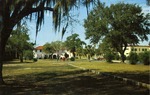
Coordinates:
[39,48]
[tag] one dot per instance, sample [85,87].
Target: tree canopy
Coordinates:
[118,25]
[20,46]
[13,12]
[47,48]
[73,42]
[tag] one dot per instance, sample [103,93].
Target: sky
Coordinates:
[47,33]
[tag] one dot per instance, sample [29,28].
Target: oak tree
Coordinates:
[118,25]
[14,11]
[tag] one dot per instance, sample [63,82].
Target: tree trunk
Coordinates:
[3,40]
[122,57]
[2,49]
[1,46]
[1,66]
[21,57]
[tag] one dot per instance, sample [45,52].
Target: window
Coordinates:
[139,49]
[135,49]
[40,50]
[142,49]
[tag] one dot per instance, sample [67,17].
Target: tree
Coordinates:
[80,52]
[28,54]
[14,11]
[118,25]
[89,51]
[53,47]
[144,57]
[57,45]
[133,58]
[20,46]
[48,48]
[73,43]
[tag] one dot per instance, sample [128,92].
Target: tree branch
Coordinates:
[27,11]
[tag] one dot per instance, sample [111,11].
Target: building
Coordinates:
[38,52]
[136,49]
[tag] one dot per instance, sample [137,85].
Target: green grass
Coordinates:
[112,67]
[49,77]
[13,68]
[136,72]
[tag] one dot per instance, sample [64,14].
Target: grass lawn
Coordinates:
[139,72]
[49,77]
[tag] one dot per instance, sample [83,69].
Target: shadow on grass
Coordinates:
[137,76]
[18,62]
[76,82]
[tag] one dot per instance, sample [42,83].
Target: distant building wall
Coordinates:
[38,53]
[136,49]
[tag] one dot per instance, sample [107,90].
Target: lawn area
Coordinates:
[49,77]
[139,72]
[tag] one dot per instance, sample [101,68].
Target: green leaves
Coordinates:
[74,43]
[118,25]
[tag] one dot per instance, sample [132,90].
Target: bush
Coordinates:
[72,59]
[133,58]
[116,57]
[35,59]
[145,58]
[109,57]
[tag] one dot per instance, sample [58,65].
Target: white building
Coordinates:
[136,49]
[38,53]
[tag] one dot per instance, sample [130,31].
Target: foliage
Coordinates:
[118,25]
[105,47]
[17,45]
[133,58]
[109,57]
[28,54]
[35,59]
[116,56]
[145,57]
[89,51]
[79,51]
[57,45]
[47,48]
[53,47]
[74,43]
[13,12]
[18,9]
[72,58]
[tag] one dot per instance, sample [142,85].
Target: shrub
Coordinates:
[116,57]
[35,59]
[109,56]
[72,59]
[145,57]
[133,58]
[45,57]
